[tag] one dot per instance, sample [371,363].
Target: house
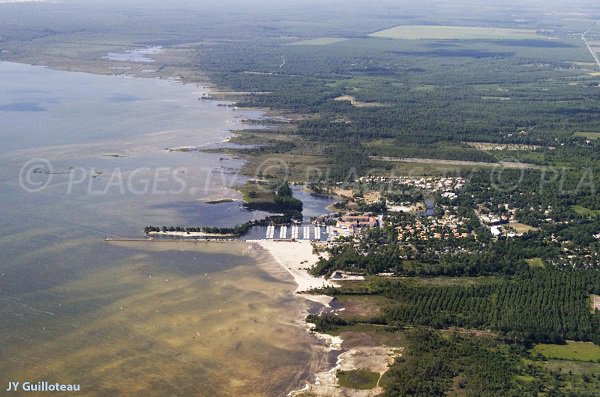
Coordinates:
[357,221]
[353,223]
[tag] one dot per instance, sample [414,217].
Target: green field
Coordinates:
[535,262]
[320,41]
[358,379]
[588,135]
[433,32]
[577,351]
[583,211]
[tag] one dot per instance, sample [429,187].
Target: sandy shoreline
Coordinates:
[296,257]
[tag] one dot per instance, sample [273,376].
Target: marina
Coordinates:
[297,232]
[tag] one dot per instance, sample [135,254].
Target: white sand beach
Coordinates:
[296,257]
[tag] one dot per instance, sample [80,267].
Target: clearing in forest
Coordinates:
[358,104]
[588,135]
[578,351]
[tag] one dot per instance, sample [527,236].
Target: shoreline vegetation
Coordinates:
[220,201]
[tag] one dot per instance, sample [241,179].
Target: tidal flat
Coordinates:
[135,319]
[162,318]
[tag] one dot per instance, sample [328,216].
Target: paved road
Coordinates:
[587,44]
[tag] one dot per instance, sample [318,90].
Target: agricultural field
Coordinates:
[432,32]
[576,351]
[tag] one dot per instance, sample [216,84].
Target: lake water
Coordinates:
[313,206]
[83,157]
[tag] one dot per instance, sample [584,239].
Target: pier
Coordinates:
[296,232]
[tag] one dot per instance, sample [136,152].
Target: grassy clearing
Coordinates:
[370,335]
[487,147]
[535,262]
[523,228]
[575,367]
[352,285]
[580,377]
[588,135]
[320,41]
[354,102]
[293,167]
[575,351]
[524,378]
[449,281]
[595,303]
[453,163]
[426,170]
[524,156]
[583,211]
[361,307]
[363,380]
[257,192]
[416,32]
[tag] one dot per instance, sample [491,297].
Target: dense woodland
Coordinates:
[489,97]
